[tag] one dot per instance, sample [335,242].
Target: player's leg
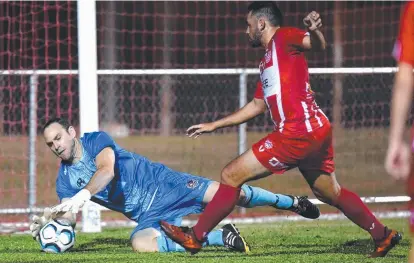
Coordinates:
[154,240]
[244,168]
[326,188]
[146,240]
[411,253]
[251,196]
[410,193]
[318,171]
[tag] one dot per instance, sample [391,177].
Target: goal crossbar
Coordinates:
[213,71]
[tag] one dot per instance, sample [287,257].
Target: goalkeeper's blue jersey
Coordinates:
[141,189]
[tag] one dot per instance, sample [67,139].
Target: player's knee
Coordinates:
[143,246]
[227,177]
[145,240]
[329,196]
[323,198]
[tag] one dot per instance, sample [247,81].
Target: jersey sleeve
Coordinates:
[95,142]
[294,36]
[62,187]
[404,46]
[258,94]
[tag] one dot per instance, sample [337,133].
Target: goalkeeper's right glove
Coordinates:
[38,222]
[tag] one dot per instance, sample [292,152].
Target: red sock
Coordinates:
[216,210]
[353,208]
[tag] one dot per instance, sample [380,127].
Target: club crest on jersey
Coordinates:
[192,183]
[80,182]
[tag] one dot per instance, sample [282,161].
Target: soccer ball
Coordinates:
[57,236]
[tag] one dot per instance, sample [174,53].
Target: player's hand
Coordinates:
[312,21]
[197,130]
[397,160]
[74,204]
[37,222]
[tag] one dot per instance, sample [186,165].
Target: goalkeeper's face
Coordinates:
[61,141]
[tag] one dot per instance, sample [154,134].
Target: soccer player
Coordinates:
[95,168]
[302,137]
[398,161]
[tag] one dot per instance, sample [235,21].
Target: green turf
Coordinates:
[317,241]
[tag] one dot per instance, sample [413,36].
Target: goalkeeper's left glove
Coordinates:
[39,221]
[74,204]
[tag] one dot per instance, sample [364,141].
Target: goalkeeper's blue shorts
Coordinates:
[174,201]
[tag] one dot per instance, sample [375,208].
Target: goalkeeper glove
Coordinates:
[74,204]
[38,222]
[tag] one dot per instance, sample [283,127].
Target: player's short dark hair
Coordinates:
[267,9]
[63,122]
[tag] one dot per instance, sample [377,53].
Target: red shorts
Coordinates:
[312,151]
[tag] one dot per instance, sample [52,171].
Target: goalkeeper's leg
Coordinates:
[251,196]
[153,240]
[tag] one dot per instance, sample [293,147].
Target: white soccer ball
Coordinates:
[57,236]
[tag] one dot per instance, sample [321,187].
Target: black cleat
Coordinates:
[233,240]
[302,206]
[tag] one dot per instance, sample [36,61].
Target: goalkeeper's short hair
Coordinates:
[65,123]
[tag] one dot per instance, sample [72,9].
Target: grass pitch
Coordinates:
[309,241]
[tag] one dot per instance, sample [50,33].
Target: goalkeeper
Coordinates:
[95,168]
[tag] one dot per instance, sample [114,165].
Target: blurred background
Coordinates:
[150,113]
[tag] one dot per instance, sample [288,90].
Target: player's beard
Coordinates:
[72,152]
[255,41]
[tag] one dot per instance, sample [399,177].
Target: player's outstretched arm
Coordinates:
[105,163]
[397,162]
[315,41]
[249,111]
[66,215]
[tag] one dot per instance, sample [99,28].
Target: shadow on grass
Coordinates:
[95,244]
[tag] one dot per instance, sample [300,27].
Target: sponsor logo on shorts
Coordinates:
[275,163]
[191,184]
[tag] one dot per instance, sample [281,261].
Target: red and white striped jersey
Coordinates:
[285,85]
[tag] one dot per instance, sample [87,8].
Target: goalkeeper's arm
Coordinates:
[69,216]
[105,163]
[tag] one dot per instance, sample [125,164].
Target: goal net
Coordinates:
[147,105]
